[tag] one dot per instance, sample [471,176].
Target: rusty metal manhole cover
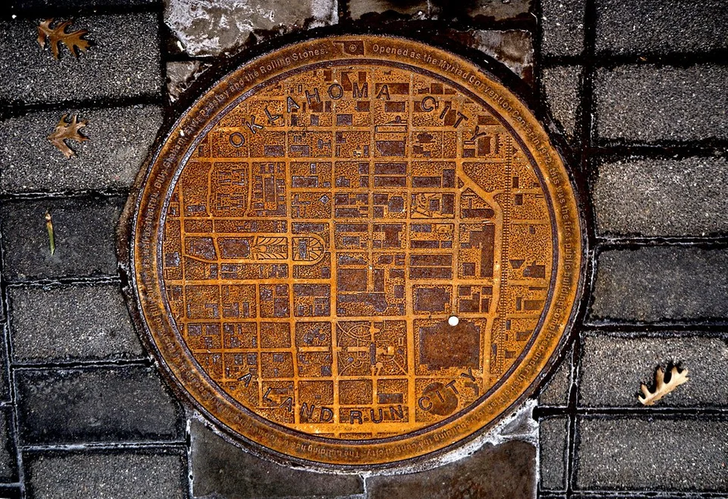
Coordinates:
[356,250]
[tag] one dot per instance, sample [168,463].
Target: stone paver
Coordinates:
[8,462]
[71,323]
[556,391]
[652,454]
[83,231]
[513,48]
[204,28]
[4,392]
[612,369]
[654,284]
[505,471]
[552,456]
[647,26]
[108,475]
[647,103]
[561,86]
[119,140]
[122,63]
[665,197]
[563,27]
[220,469]
[67,406]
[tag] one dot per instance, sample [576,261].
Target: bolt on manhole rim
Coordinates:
[356,250]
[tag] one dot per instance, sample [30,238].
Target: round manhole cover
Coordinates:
[356,250]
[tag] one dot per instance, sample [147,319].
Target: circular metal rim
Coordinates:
[347,457]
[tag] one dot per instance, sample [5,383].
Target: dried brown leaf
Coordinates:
[677,378]
[57,34]
[67,130]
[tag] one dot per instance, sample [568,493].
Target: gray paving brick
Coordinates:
[552,455]
[124,62]
[220,469]
[612,369]
[556,392]
[119,140]
[71,323]
[4,392]
[661,283]
[73,406]
[8,461]
[84,237]
[211,28]
[665,197]
[625,26]
[111,475]
[506,471]
[646,103]
[563,27]
[655,454]
[561,85]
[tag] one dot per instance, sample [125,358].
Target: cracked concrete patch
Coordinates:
[207,29]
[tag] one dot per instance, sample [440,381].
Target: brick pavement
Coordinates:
[639,90]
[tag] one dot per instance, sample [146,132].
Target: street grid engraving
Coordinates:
[325,229]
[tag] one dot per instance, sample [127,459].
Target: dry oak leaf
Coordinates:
[677,378]
[56,35]
[67,130]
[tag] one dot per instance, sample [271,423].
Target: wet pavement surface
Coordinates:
[637,88]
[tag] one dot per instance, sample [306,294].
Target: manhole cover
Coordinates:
[356,250]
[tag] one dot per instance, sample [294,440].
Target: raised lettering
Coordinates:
[362,93]
[272,118]
[313,96]
[291,104]
[237,139]
[252,125]
[383,91]
[425,103]
[355,415]
[335,91]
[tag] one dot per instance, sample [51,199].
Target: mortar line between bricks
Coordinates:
[661,150]
[585,132]
[663,147]
[81,365]
[177,445]
[50,11]
[645,494]
[33,196]
[662,330]
[15,109]
[637,243]
[711,413]
[61,281]
[609,60]
[9,375]
[537,11]
[343,11]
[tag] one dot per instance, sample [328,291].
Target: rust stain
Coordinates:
[368,250]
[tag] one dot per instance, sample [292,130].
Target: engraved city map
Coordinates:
[357,250]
